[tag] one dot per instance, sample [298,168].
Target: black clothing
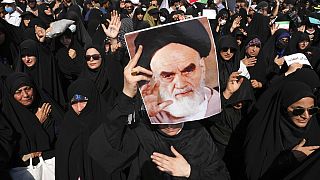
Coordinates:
[127,148]
[271,134]
[72,160]
[30,134]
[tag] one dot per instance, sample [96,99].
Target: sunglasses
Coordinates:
[232,50]
[93,56]
[299,111]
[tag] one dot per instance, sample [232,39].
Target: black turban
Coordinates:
[190,33]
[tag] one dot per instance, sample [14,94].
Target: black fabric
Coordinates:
[196,37]
[232,65]
[44,71]
[72,159]
[30,134]
[119,147]
[108,77]
[271,135]
[259,26]
[47,19]
[70,69]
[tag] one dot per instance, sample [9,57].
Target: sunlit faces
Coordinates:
[93,58]
[253,51]
[303,119]
[179,70]
[227,53]
[171,129]
[303,44]
[24,95]
[29,60]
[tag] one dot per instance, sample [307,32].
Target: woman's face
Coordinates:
[140,17]
[24,95]
[227,53]
[302,120]
[303,44]
[26,22]
[79,106]
[93,58]
[253,51]
[28,60]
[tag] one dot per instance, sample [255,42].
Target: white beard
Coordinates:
[184,106]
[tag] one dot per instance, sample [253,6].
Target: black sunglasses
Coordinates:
[232,50]
[93,56]
[299,111]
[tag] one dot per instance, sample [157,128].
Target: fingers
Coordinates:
[104,26]
[139,69]
[302,143]
[133,62]
[160,157]
[175,152]
[165,104]
[310,148]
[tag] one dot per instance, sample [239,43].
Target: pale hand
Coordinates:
[256,84]
[114,25]
[72,53]
[150,94]
[249,62]
[43,112]
[131,80]
[31,155]
[279,61]
[233,84]
[175,166]
[274,28]
[301,152]
[293,68]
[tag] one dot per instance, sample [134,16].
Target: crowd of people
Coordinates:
[71,96]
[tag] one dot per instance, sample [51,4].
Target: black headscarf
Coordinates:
[271,132]
[259,26]
[44,71]
[72,160]
[30,134]
[47,19]
[227,67]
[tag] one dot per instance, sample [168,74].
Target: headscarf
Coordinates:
[232,65]
[271,131]
[72,160]
[31,135]
[44,71]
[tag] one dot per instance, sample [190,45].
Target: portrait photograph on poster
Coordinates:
[182,58]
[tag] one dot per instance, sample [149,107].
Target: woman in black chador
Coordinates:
[282,133]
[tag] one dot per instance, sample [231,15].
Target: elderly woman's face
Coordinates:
[24,95]
[93,58]
[304,105]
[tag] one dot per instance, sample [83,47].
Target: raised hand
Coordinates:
[279,61]
[43,112]
[114,25]
[233,84]
[301,152]
[274,28]
[150,94]
[175,166]
[72,53]
[132,76]
[249,62]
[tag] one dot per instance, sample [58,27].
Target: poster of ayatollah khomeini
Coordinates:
[182,58]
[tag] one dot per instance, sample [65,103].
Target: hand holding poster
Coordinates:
[182,59]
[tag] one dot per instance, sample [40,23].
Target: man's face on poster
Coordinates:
[179,70]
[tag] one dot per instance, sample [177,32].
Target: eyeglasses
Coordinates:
[93,56]
[226,49]
[299,111]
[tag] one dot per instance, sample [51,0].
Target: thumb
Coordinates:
[175,152]
[302,142]
[277,56]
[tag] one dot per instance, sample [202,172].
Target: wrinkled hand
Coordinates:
[233,84]
[175,166]
[114,25]
[150,94]
[43,112]
[72,53]
[301,152]
[293,68]
[279,61]
[256,84]
[249,62]
[132,77]
[274,28]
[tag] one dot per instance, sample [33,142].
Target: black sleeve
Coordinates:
[113,145]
